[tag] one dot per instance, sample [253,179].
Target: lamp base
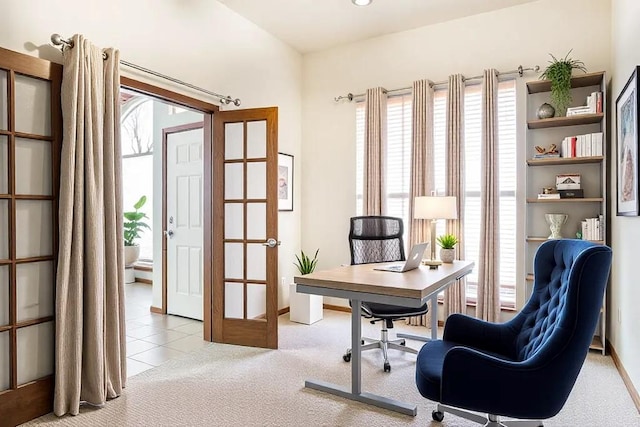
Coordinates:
[432,263]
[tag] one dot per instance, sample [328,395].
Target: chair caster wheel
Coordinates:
[437,416]
[362,342]
[403,342]
[347,356]
[387,367]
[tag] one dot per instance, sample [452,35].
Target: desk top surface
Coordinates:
[419,283]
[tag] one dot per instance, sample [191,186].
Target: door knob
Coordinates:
[271,242]
[168,233]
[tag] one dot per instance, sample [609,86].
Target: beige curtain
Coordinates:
[454,295]
[421,167]
[90,330]
[488,307]
[375,141]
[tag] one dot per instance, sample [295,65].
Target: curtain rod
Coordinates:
[520,71]
[57,40]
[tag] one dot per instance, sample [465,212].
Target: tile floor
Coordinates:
[152,339]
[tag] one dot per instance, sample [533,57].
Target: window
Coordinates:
[399,163]
[137,163]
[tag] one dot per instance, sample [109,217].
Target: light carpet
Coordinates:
[225,385]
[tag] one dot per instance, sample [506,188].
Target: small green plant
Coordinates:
[447,241]
[133,224]
[559,72]
[305,264]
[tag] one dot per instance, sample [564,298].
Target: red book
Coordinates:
[599,102]
[574,140]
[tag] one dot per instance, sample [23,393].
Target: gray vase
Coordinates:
[546,111]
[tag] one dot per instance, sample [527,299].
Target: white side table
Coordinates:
[304,308]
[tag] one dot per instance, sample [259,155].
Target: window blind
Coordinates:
[399,163]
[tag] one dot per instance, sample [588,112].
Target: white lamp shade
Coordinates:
[435,207]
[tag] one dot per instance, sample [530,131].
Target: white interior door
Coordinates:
[184,228]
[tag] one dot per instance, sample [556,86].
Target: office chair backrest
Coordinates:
[376,239]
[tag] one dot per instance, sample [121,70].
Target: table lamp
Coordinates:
[434,208]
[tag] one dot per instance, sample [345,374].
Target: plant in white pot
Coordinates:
[305,264]
[447,243]
[133,227]
[305,308]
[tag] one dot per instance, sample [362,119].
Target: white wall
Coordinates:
[624,292]
[501,39]
[198,41]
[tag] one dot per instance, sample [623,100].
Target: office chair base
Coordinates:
[384,344]
[488,421]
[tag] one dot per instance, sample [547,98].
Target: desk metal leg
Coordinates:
[434,321]
[356,375]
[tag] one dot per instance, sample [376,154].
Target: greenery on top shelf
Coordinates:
[559,73]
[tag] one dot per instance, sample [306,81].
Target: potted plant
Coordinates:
[559,72]
[305,264]
[133,228]
[305,308]
[447,243]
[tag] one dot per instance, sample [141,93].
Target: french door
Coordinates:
[30,140]
[245,231]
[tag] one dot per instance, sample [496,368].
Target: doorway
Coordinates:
[239,305]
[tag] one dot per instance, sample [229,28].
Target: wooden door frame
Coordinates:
[165,133]
[209,110]
[21,404]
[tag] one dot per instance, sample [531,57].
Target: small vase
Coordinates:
[546,111]
[555,222]
[447,255]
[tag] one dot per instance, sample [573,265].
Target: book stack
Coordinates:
[546,155]
[594,105]
[548,196]
[568,186]
[593,228]
[587,145]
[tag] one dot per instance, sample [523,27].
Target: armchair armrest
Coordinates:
[476,333]
[482,382]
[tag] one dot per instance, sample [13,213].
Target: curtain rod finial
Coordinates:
[56,39]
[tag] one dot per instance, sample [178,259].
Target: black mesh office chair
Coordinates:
[379,239]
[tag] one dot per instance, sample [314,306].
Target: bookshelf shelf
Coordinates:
[576,200]
[583,80]
[582,119]
[565,161]
[536,239]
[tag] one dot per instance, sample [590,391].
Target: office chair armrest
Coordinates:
[482,382]
[476,333]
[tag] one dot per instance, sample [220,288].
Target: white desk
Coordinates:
[361,283]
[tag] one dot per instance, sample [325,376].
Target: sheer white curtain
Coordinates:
[421,182]
[90,329]
[488,306]
[375,138]
[454,295]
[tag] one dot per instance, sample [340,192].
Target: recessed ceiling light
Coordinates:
[361,2]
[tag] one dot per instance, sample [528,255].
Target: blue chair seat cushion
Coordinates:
[429,365]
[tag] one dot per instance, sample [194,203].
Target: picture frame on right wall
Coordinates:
[627,110]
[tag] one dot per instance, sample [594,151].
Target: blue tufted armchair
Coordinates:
[524,368]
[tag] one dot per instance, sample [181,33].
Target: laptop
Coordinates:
[412,262]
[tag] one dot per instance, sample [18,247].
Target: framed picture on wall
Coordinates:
[285,182]
[627,109]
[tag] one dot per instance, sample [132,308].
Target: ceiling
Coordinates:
[314,25]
